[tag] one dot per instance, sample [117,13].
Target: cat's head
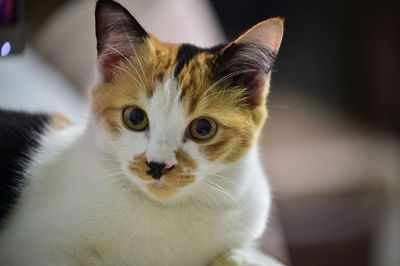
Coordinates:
[175,114]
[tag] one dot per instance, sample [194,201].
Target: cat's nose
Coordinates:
[158,169]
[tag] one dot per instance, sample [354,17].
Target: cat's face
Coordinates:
[177,114]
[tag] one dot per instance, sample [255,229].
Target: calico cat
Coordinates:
[166,172]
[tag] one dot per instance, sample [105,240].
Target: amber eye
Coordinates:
[135,118]
[202,128]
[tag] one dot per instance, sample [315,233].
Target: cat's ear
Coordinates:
[247,61]
[119,36]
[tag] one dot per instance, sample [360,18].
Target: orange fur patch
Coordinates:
[139,167]
[185,159]
[160,191]
[59,122]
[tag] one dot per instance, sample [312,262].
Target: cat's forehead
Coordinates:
[183,68]
[188,53]
[193,70]
[186,63]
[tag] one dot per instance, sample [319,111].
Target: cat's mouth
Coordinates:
[170,184]
[158,190]
[163,185]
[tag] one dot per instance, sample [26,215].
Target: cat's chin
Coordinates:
[156,190]
[160,191]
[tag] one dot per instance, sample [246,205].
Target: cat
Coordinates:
[166,171]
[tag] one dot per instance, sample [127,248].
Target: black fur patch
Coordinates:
[188,51]
[19,136]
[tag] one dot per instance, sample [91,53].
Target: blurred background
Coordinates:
[331,145]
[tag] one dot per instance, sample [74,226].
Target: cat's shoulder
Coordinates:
[21,135]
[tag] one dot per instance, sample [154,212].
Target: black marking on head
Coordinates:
[19,137]
[188,51]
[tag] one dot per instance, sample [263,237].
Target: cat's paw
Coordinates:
[238,259]
[232,260]
[246,256]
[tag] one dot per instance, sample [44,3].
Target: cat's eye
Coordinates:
[202,129]
[135,118]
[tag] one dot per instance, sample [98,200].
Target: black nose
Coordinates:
[156,169]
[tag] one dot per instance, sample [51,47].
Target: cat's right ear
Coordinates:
[119,36]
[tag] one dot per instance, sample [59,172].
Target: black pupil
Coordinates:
[203,127]
[136,116]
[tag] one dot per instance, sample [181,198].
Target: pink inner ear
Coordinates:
[268,33]
[255,88]
[107,63]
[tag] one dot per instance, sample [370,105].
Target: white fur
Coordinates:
[82,207]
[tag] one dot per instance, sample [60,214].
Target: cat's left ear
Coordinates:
[119,36]
[247,61]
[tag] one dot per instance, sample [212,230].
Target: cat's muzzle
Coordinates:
[157,170]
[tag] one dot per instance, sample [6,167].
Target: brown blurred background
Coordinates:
[332,141]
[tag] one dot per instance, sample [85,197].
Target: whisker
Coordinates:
[221,192]
[224,178]
[210,199]
[130,74]
[130,63]
[133,48]
[222,79]
[216,193]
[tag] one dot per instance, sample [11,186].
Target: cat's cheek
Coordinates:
[130,145]
[203,166]
[192,149]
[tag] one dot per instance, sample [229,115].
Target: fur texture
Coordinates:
[90,200]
